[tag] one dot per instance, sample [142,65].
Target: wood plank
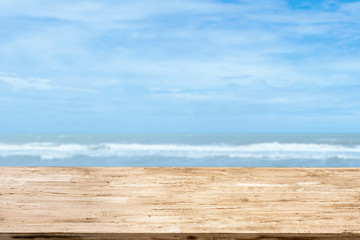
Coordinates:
[179,203]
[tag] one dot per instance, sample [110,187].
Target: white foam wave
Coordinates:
[262,150]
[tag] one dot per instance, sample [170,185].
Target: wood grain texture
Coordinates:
[178,203]
[178,236]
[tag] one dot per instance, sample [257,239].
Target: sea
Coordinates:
[181,150]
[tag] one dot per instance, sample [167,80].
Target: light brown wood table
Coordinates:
[179,203]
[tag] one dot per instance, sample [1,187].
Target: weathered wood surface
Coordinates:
[179,203]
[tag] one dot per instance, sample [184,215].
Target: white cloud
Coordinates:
[19,83]
[35,83]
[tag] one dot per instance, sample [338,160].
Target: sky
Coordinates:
[109,66]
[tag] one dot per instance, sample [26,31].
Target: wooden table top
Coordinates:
[179,203]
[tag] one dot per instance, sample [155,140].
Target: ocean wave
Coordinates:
[273,150]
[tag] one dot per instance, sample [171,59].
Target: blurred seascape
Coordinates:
[181,150]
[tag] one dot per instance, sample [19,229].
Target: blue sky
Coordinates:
[179,66]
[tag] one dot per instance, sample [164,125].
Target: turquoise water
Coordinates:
[181,150]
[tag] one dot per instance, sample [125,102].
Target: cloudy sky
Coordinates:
[179,66]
